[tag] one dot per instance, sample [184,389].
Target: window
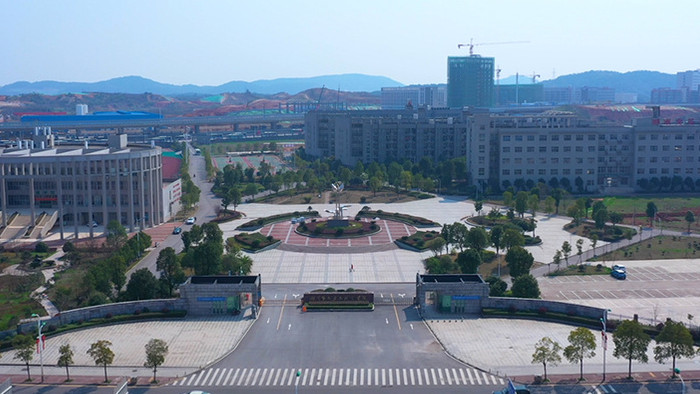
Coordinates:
[543,137]
[664,171]
[641,148]
[505,160]
[678,136]
[677,148]
[554,160]
[481,171]
[567,160]
[530,171]
[518,149]
[591,148]
[652,171]
[653,159]
[518,160]
[555,149]
[640,160]
[642,137]
[554,171]
[555,138]
[591,137]
[518,137]
[506,149]
[541,171]
[666,159]
[543,149]
[690,147]
[579,137]
[482,148]
[640,171]
[579,171]
[506,138]
[517,172]
[666,148]
[567,138]
[566,171]
[531,149]
[579,149]
[530,160]
[567,149]
[579,160]
[506,172]
[653,148]
[530,137]
[654,137]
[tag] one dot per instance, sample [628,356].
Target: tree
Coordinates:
[566,250]
[651,212]
[497,287]
[615,217]
[594,242]
[234,195]
[582,345]
[521,202]
[65,358]
[375,184]
[116,235]
[171,273]
[496,236]
[546,352]
[579,249]
[156,350]
[549,205]
[460,235]
[533,202]
[631,342]
[512,237]
[600,216]
[478,206]
[556,259]
[24,350]
[525,286]
[251,190]
[507,198]
[436,245]
[225,201]
[674,341]
[469,261]
[690,218]
[142,285]
[519,261]
[477,238]
[102,354]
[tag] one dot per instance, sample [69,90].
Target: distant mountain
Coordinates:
[640,82]
[138,85]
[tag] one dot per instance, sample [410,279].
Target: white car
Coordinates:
[191,220]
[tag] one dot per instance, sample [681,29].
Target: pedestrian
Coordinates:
[352,267]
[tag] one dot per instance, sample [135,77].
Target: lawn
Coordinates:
[15,303]
[671,211]
[348,196]
[657,248]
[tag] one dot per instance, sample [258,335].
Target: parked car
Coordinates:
[619,267]
[618,273]
[177,230]
[300,219]
[191,220]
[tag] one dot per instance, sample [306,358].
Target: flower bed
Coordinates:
[322,229]
[399,217]
[258,223]
[254,241]
[419,240]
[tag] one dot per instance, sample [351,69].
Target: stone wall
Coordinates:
[535,305]
[101,311]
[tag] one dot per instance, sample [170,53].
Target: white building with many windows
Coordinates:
[79,185]
[503,149]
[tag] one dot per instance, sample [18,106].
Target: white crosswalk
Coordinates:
[603,389]
[383,377]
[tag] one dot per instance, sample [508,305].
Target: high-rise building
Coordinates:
[688,79]
[470,81]
[417,95]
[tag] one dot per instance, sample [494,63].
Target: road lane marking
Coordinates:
[235,375]
[268,320]
[289,327]
[396,312]
[281,313]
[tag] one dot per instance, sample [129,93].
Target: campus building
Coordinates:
[470,81]
[79,185]
[383,135]
[502,149]
[415,95]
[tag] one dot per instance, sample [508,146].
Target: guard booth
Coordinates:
[220,294]
[452,294]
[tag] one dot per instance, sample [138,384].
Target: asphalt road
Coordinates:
[206,211]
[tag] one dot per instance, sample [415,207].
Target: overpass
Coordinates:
[194,122]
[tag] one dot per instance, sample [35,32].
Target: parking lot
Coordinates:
[653,289]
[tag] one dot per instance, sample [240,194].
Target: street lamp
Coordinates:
[604,321]
[40,342]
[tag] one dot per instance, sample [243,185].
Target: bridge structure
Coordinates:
[273,119]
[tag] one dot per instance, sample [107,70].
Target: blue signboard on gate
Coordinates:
[466,297]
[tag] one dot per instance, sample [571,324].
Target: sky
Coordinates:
[209,42]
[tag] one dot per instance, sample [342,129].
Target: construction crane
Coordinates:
[318,102]
[471,44]
[534,77]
